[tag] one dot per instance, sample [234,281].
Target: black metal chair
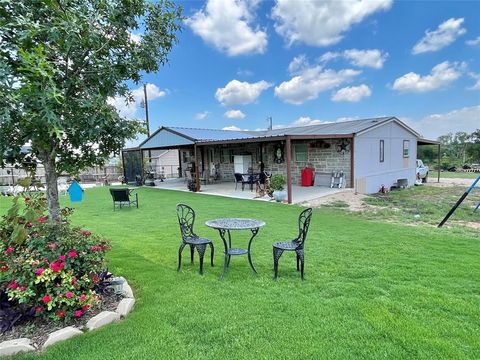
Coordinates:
[186,220]
[296,245]
[121,197]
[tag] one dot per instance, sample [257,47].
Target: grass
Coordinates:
[424,204]
[455,175]
[372,290]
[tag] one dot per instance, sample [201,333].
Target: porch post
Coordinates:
[197,176]
[352,164]
[288,149]
[180,173]
[438,162]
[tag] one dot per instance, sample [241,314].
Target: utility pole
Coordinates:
[147,121]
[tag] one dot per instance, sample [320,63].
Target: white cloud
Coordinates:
[241,93]
[432,126]
[232,128]
[321,23]
[244,72]
[234,114]
[129,110]
[473,42]
[373,58]
[227,25]
[310,81]
[352,93]
[446,33]
[476,77]
[298,63]
[201,115]
[307,120]
[441,76]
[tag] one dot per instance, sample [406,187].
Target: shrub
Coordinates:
[277,182]
[50,267]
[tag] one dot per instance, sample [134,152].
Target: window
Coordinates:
[406,148]
[382,150]
[301,152]
[227,156]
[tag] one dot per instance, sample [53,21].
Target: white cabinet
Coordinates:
[242,163]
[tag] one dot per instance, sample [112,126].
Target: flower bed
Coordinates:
[51,274]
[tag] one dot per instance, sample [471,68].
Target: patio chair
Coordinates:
[186,220]
[296,245]
[121,197]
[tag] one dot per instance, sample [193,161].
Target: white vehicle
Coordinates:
[422,171]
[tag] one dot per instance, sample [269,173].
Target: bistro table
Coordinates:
[224,226]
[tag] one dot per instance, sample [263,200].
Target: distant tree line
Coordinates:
[459,150]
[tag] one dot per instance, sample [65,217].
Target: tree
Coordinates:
[473,150]
[60,63]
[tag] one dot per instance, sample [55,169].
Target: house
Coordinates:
[370,152]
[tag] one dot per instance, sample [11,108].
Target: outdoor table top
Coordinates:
[235,224]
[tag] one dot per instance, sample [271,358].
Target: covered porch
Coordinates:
[299,194]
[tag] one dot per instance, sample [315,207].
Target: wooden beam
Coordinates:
[438,162]
[352,164]
[197,177]
[242,141]
[180,163]
[288,149]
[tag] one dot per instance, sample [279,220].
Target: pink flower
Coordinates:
[86,307]
[22,288]
[83,297]
[78,313]
[39,271]
[85,232]
[69,295]
[57,266]
[4,268]
[96,248]
[13,284]
[28,225]
[72,253]
[52,246]
[38,308]
[61,257]
[42,219]
[46,299]
[9,250]
[74,281]
[61,313]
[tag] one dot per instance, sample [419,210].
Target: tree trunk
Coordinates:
[52,187]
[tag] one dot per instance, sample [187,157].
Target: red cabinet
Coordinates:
[307,177]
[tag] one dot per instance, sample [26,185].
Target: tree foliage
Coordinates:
[60,63]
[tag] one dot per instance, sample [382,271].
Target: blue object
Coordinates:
[75,191]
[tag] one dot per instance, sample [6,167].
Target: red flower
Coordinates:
[4,268]
[78,313]
[9,250]
[57,266]
[61,313]
[61,257]
[39,271]
[13,284]
[72,253]
[85,232]
[22,288]
[42,219]
[28,225]
[38,308]
[86,307]
[96,248]
[69,295]
[74,281]
[46,299]
[83,297]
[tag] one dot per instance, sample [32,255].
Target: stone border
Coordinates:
[15,346]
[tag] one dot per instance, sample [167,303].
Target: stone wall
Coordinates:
[322,156]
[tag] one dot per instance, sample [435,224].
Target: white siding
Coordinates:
[370,173]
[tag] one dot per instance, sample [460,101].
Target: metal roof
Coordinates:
[172,137]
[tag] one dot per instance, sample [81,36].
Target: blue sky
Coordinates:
[302,62]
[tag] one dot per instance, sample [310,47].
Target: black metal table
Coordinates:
[224,226]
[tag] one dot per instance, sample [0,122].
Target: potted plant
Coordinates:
[277,184]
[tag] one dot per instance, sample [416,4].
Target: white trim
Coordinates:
[393,119]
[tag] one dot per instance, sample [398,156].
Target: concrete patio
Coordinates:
[227,189]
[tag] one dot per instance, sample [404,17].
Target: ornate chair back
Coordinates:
[303,224]
[186,220]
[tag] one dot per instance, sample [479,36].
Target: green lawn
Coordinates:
[372,290]
[456,175]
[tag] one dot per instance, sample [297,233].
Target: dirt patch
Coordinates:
[38,330]
[347,196]
[451,182]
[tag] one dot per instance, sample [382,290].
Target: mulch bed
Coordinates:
[38,329]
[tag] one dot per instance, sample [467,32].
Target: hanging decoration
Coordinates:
[342,147]
[279,154]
